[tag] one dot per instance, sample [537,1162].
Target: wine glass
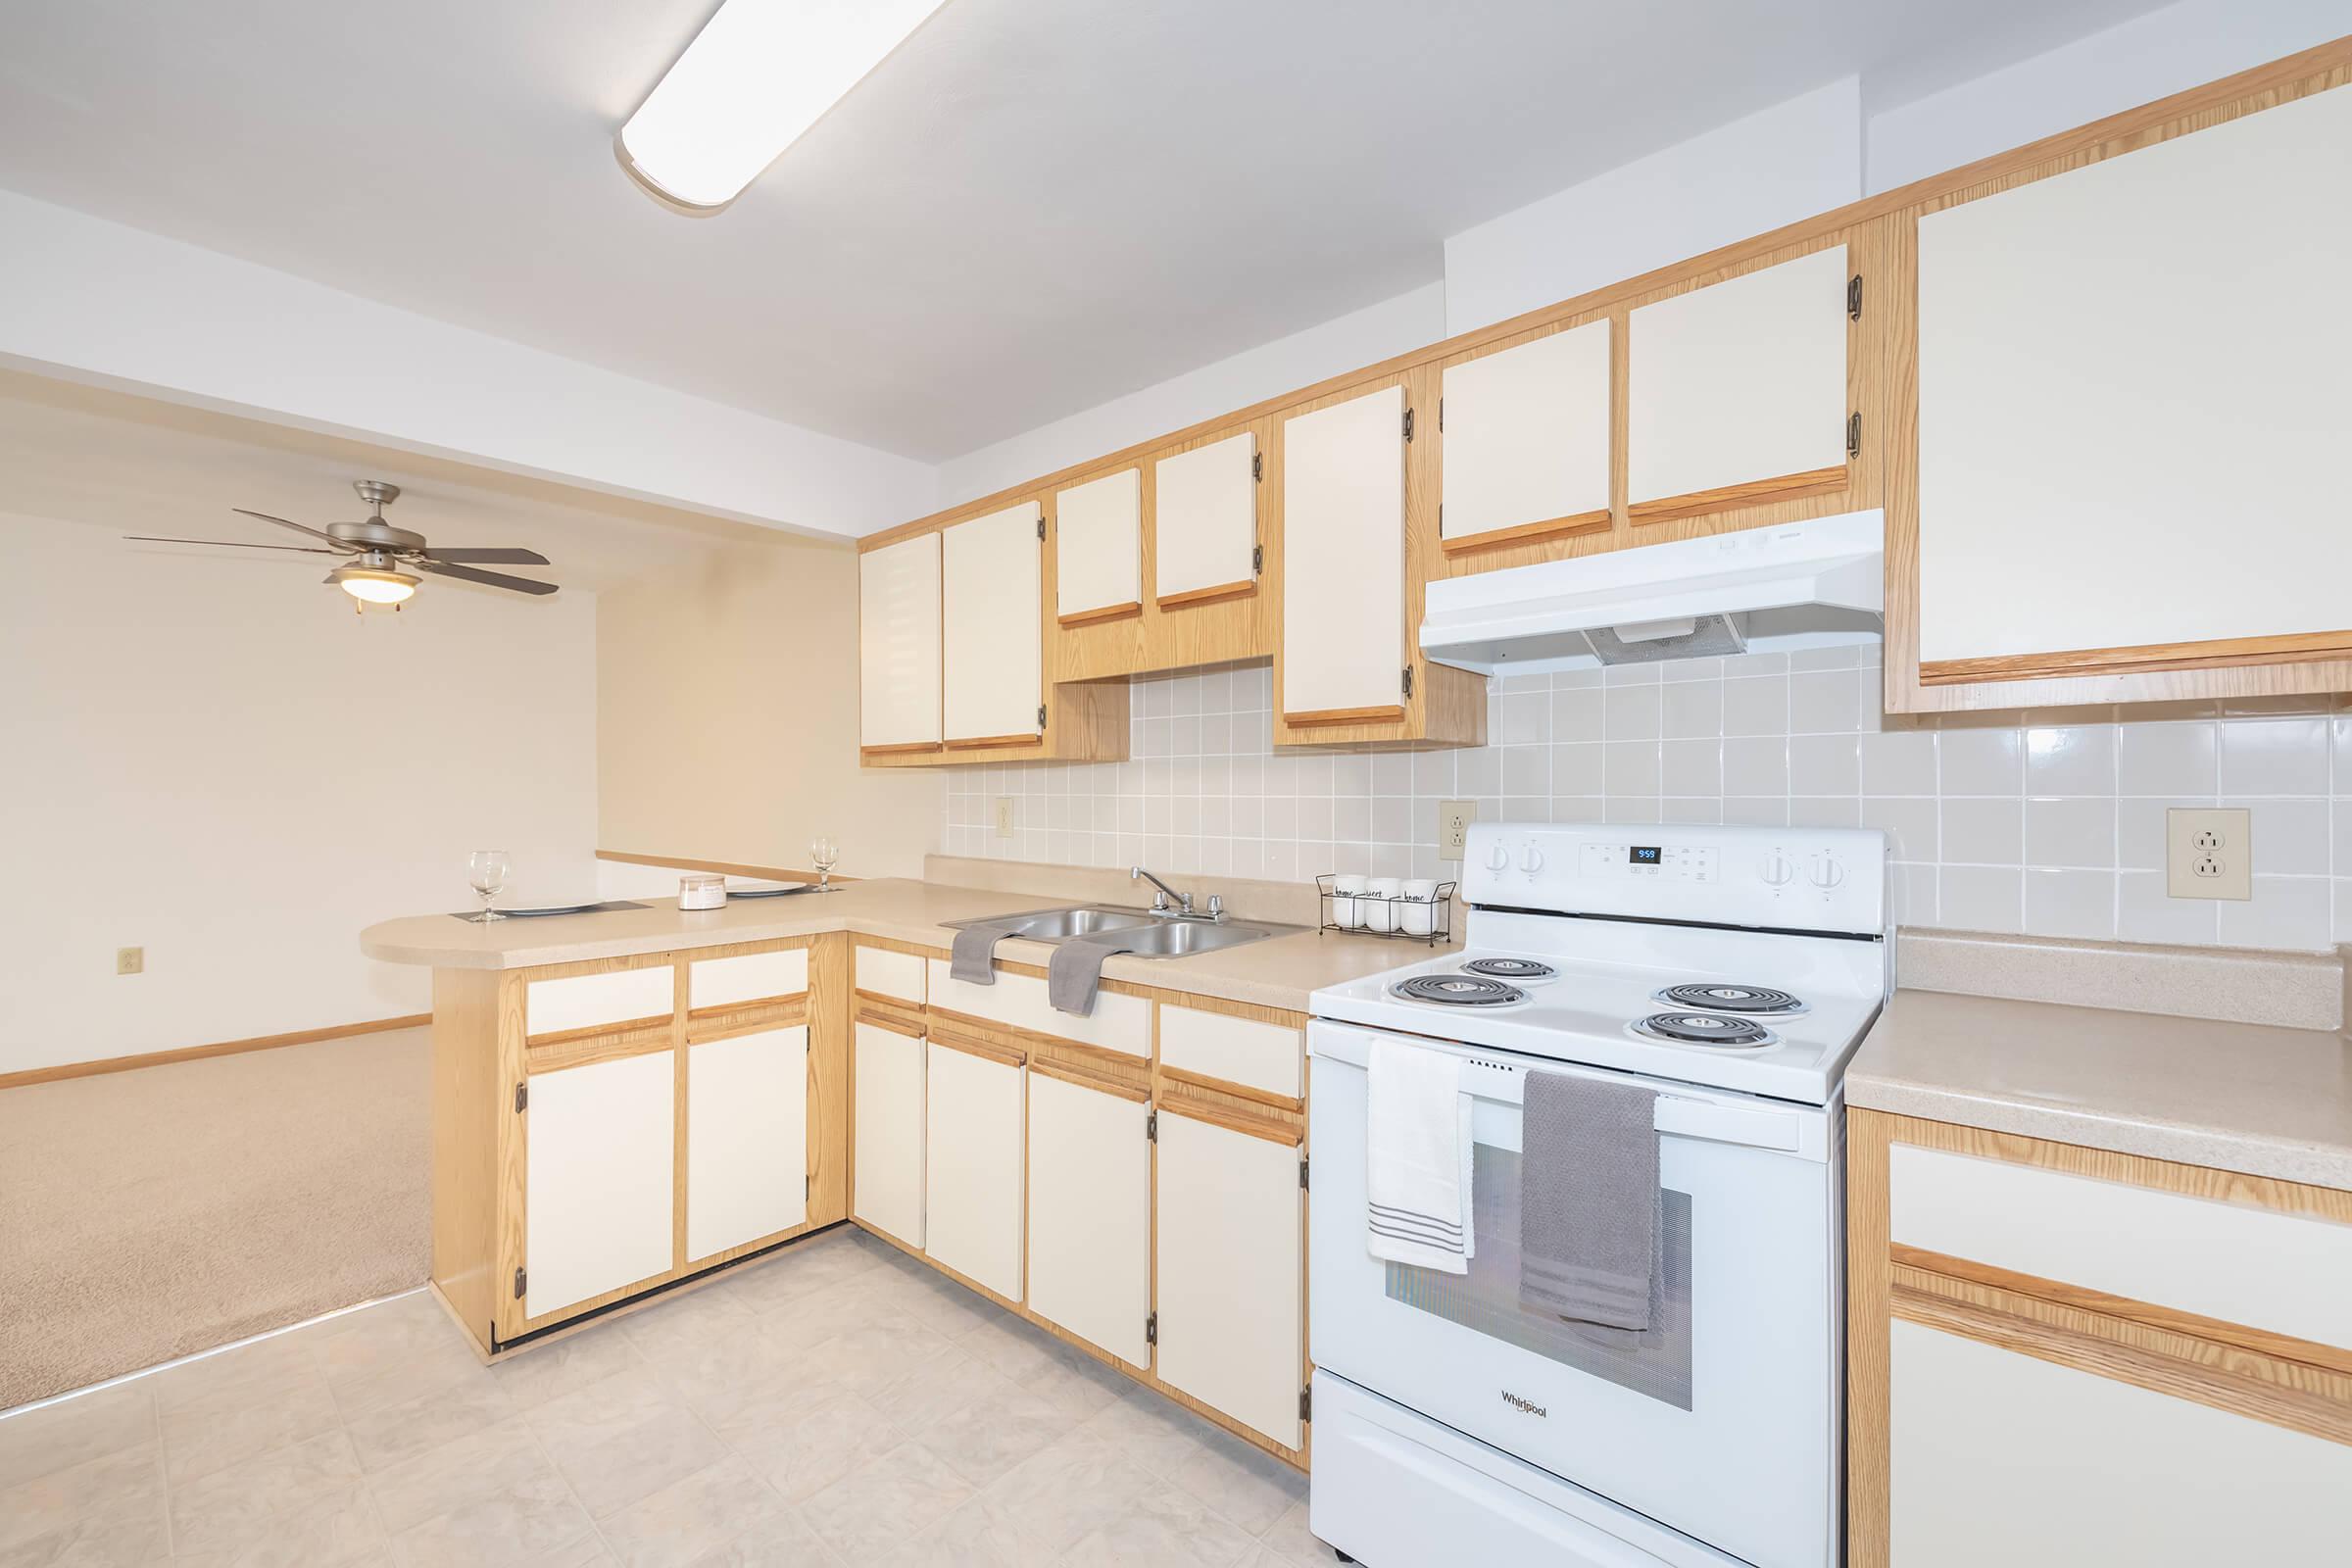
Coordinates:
[824,853]
[486,869]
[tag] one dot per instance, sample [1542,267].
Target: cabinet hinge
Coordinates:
[1041,715]
[523,1096]
[1306,1402]
[1302,1173]
[1040,528]
[1257,466]
[1853,435]
[1257,560]
[1440,416]
[522,1283]
[807,1188]
[1854,296]
[1409,424]
[1152,1328]
[1408,680]
[1151,1126]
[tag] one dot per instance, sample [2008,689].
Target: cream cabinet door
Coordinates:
[1090,1214]
[1228,1273]
[2000,1458]
[887,1165]
[1342,545]
[898,643]
[747,1138]
[1526,436]
[2133,398]
[972,1168]
[1741,382]
[1205,521]
[598,1178]
[1098,547]
[992,636]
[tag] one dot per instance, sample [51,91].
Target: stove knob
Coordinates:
[1776,869]
[1531,860]
[1826,872]
[1498,858]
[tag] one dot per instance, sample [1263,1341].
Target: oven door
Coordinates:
[1720,1420]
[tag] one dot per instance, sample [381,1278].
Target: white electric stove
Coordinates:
[1734,972]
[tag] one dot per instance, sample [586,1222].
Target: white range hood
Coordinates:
[1814,584]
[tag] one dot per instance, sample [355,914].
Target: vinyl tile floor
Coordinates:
[836,1405]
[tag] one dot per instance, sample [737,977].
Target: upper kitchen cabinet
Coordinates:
[1524,442]
[1355,560]
[1737,390]
[897,646]
[2133,407]
[1099,549]
[992,572]
[1208,523]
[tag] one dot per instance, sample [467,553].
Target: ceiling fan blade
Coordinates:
[236,544]
[492,557]
[488,579]
[296,526]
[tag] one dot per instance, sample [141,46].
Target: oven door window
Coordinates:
[1654,1362]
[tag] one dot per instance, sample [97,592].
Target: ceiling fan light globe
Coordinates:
[374,587]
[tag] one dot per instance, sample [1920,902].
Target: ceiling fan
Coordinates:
[380,561]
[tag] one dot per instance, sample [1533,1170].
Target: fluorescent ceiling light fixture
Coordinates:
[759,73]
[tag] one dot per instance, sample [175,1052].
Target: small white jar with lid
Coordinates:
[702,890]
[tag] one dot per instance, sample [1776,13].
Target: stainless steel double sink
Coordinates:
[1142,932]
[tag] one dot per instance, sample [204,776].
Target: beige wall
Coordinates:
[727,718]
[214,759]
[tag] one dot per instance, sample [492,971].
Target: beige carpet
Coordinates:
[148,1214]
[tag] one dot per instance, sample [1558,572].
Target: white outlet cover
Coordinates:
[1003,816]
[2209,852]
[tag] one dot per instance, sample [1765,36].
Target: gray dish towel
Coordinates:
[1076,969]
[973,958]
[1589,1200]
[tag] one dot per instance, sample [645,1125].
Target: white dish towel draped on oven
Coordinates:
[1418,1157]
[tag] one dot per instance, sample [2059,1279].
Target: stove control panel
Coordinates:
[1805,879]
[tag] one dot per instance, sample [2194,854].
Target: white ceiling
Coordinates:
[1034,206]
[130,465]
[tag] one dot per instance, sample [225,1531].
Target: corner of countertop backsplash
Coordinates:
[2234,985]
[1248,898]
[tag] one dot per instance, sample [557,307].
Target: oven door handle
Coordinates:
[1727,1124]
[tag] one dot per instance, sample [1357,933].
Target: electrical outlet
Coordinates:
[1003,816]
[2209,853]
[1454,827]
[131,961]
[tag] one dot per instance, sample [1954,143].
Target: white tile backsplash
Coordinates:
[2050,824]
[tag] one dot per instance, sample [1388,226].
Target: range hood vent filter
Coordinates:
[1655,642]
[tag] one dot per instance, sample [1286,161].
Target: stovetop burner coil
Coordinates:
[1458,991]
[1715,997]
[1704,1029]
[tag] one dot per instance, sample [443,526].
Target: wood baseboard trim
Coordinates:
[220,1047]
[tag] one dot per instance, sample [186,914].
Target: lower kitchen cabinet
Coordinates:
[888,1165]
[2003,1458]
[598,1155]
[2064,1356]
[1228,1268]
[972,1164]
[747,1139]
[1090,1212]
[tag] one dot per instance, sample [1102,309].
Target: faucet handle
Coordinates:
[1216,906]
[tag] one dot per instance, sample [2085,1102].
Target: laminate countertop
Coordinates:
[2252,1097]
[1280,973]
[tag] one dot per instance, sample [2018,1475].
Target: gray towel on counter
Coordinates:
[1076,969]
[1589,1200]
[973,958]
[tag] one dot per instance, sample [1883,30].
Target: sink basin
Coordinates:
[1053,925]
[1150,936]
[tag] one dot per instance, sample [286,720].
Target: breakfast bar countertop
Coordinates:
[2253,1098]
[1279,972]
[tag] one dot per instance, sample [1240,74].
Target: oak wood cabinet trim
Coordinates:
[974,743]
[969,1046]
[885,1018]
[725,1023]
[2147,657]
[1263,1097]
[1208,595]
[1088,617]
[1733,497]
[1470,544]
[555,1054]
[1346,716]
[900,749]
[1070,1073]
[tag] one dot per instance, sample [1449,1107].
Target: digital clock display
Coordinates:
[1643,855]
